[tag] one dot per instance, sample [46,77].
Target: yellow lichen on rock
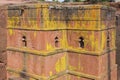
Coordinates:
[61,64]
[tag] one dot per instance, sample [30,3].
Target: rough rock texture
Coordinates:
[117,6]
[60,42]
[3,43]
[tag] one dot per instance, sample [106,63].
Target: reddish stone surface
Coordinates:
[3,43]
[2,71]
[37,40]
[41,65]
[117,6]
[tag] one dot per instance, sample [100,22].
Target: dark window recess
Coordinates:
[21,12]
[108,40]
[24,41]
[117,21]
[56,42]
[81,42]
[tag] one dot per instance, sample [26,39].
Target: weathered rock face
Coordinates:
[117,6]
[57,41]
[60,42]
[3,42]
